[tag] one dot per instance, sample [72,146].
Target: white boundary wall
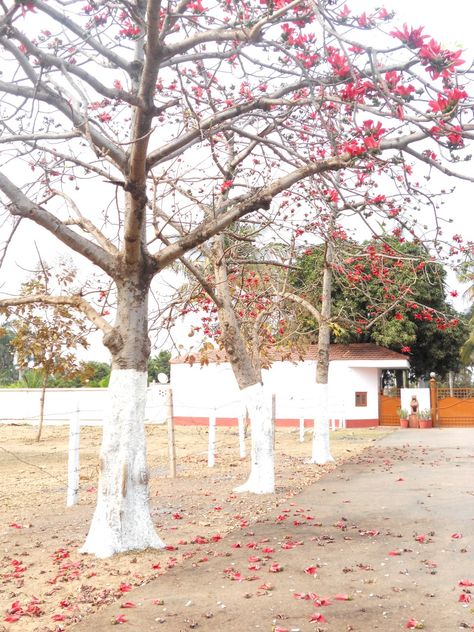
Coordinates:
[197,390]
[21,405]
[422,395]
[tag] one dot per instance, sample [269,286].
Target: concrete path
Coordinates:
[385,541]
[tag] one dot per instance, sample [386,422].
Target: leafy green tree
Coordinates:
[96,374]
[8,371]
[392,294]
[466,275]
[91,374]
[159,364]
[46,337]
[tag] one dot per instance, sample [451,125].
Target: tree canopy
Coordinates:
[159,364]
[135,133]
[392,294]
[8,370]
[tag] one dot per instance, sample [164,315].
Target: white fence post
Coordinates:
[73,458]
[241,422]
[211,450]
[301,429]
[274,418]
[170,425]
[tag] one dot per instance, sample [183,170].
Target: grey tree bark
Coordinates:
[249,379]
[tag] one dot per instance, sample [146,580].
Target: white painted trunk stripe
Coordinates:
[321,452]
[262,473]
[122,520]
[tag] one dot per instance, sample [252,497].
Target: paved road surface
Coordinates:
[358,527]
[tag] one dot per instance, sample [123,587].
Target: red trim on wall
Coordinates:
[293,423]
[361,423]
[226,421]
[191,421]
[281,423]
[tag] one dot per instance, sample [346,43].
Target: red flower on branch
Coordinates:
[26,7]
[338,62]
[130,30]
[413,38]
[439,61]
[226,185]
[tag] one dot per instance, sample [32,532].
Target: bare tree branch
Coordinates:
[76,302]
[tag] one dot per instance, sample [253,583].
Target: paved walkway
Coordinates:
[392,530]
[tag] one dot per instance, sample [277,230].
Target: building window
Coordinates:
[361,398]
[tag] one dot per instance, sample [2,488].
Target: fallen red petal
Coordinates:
[318,617]
[311,570]
[465,598]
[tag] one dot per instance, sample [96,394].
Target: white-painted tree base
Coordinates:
[122,520]
[321,451]
[262,473]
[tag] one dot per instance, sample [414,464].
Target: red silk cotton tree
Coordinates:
[133,133]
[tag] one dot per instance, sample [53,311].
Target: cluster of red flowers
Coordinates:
[130,30]
[439,61]
[338,62]
[370,134]
[452,133]
[446,102]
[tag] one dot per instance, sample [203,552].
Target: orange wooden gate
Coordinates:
[388,406]
[453,407]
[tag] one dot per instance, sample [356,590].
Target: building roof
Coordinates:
[337,352]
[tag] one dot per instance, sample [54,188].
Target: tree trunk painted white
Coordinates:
[73,468]
[122,520]
[321,452]
[262,473]
[249,379]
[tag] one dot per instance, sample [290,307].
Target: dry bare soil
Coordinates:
[46,585]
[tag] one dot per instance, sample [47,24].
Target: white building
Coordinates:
[200,391]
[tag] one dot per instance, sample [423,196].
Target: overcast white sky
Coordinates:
[449,22]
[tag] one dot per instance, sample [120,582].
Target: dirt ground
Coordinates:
[46,585]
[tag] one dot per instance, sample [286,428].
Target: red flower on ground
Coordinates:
[318,618]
